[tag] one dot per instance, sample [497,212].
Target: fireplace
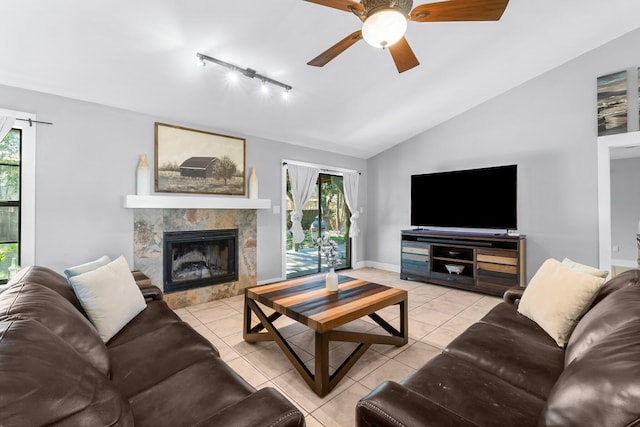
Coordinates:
[194,259]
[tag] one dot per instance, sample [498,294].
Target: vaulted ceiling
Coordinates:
[141,56]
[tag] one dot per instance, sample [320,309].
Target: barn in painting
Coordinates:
[199,167]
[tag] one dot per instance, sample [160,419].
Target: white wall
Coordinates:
[86,162]
[547,126]
[625,210]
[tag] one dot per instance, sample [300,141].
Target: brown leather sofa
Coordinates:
[157,371]
[506,371]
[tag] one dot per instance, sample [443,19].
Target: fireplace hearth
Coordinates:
[194,259]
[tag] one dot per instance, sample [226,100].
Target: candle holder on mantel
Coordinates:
[143,177]
[253,184]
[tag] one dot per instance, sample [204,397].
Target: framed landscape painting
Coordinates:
[195,161]
[612,103]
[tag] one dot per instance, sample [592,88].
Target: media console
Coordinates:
[475,262]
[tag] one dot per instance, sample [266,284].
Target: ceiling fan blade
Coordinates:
[346,5]
[460,10]
[403,56]
[335,50]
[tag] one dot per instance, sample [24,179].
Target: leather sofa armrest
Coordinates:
[513,295]
[394,405]
[149,292]
[266,407]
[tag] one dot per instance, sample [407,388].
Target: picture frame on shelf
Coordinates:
[199,162]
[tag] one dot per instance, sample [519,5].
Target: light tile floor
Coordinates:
[436,316]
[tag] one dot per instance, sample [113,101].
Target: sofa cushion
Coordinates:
[156,316]
[611,313]
[87,267]
[396,405]
[45,381]
[623,280]
[265,407]
[506,316]
[141,363]
[600,387]
[110,296]
[28,300]
[475,395]
[518,358]
[557,297]
[48,278]
[190,395]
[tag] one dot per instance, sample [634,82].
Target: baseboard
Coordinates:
[267,281]
[625,263]
[361,264]
[383,266]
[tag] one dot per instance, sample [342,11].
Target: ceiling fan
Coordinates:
[385,22]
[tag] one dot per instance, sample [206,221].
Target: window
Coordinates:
[18,192]
[10,184]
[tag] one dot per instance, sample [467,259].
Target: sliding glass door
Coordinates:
[325,214]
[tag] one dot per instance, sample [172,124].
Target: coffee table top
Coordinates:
[307,301]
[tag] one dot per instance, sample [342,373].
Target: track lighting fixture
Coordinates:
[247,72]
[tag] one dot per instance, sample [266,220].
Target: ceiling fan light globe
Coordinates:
[384,28]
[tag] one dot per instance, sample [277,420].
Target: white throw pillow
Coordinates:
[110,297]
[585,268]
[557,297]
[87,267]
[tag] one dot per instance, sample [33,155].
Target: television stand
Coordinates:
[482,262]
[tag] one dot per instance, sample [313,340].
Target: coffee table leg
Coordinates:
[246,323]
[404,322]
[322,364]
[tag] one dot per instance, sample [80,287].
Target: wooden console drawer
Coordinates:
[419,251]
[500,268]
[498,256]
[497,259]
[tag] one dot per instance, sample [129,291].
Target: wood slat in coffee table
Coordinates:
[307,301]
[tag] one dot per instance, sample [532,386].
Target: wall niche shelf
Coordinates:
[193,202]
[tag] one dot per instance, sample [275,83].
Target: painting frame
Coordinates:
[612,103]
[198,162]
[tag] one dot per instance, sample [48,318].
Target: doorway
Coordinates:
[609,147]
[326,214]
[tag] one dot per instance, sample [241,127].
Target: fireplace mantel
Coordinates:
[193,202]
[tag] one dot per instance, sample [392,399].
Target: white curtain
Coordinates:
[303,180]
[6,124]
[351,182]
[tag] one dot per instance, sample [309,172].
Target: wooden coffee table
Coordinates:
[307,301]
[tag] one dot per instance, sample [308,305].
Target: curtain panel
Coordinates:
[303,181]
[351,183]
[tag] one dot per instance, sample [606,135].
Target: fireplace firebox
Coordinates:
[194,259]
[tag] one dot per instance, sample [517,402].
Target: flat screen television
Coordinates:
[474,198]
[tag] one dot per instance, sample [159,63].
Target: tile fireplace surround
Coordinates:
[150,225]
